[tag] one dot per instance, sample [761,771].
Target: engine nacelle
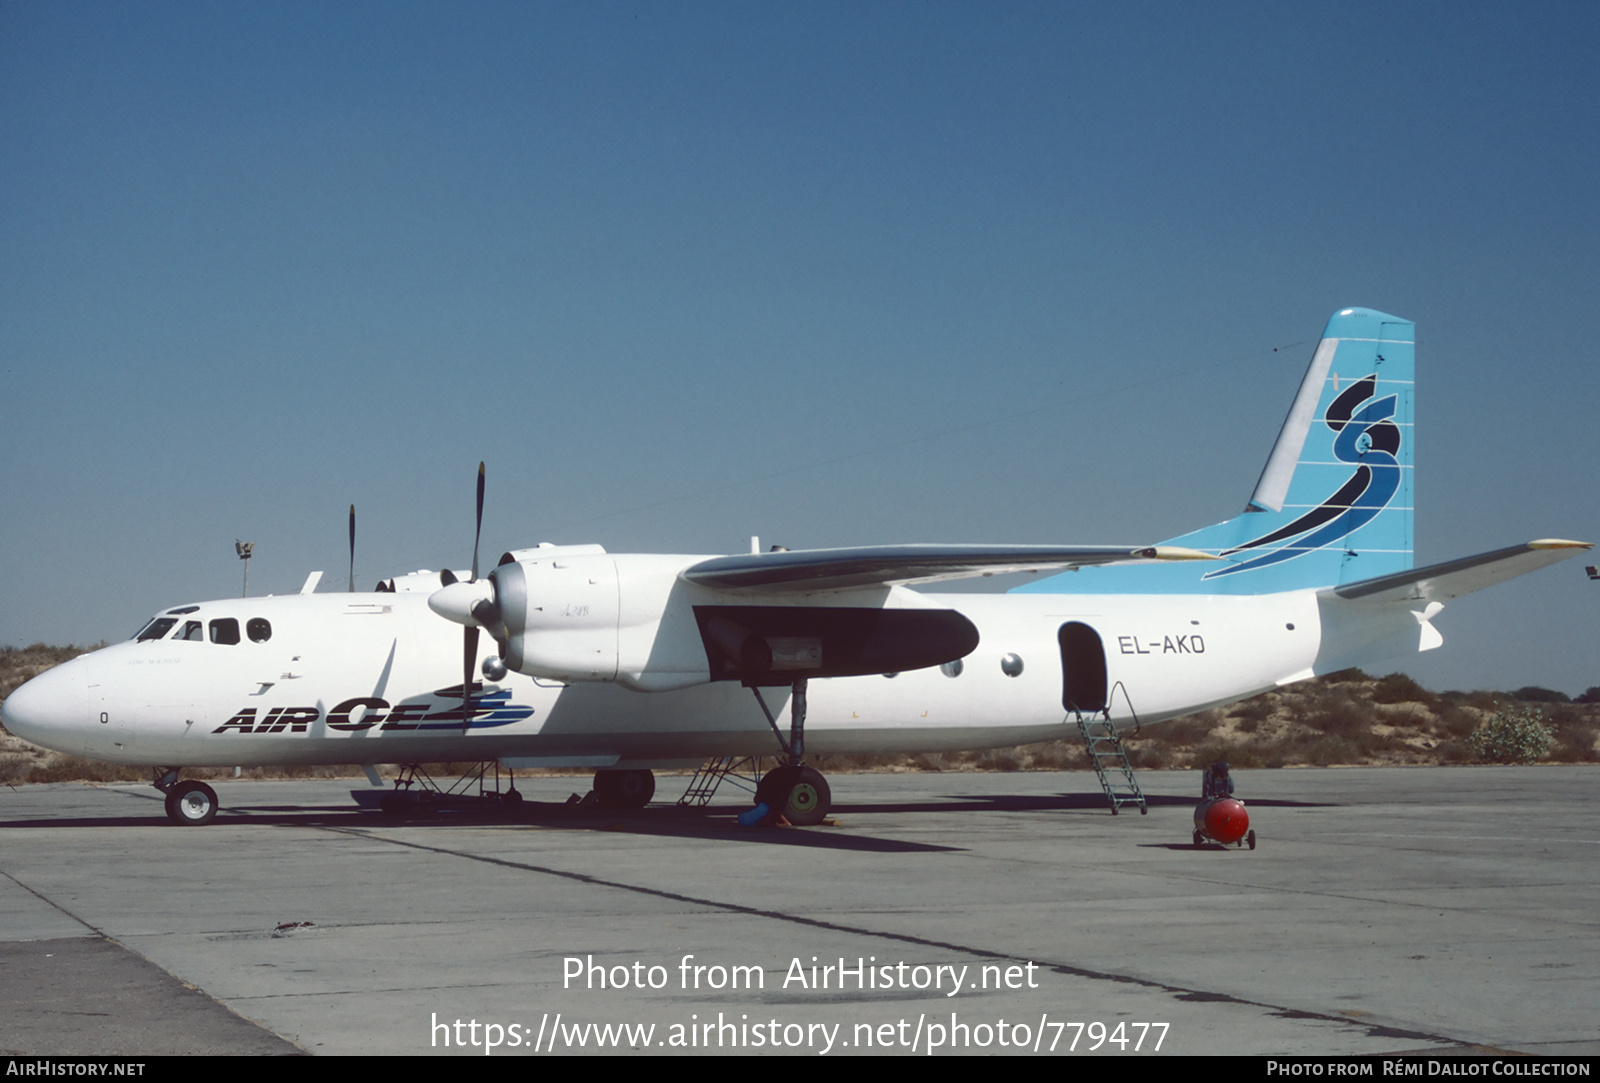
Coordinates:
[577,613]
[560,611]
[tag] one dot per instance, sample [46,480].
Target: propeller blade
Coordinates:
[469,658]
[352,548]
[472,604]
[478,530]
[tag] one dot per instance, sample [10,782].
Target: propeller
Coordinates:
[471,604]
[477,531]
[352,548]
[469,644]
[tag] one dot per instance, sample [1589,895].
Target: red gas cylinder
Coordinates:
[1222,819]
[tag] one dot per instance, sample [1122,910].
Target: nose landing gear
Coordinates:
[189,804]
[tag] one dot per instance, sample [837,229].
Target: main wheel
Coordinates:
[773,782]
[191,804]
[800,795]
[624,789]
[1251,838]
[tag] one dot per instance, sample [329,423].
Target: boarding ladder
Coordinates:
[1103,744]
[706,780]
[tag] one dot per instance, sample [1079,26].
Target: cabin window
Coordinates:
[193,632]
[258,629]
[225,630]
[156,628]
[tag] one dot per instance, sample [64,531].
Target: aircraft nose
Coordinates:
[46,709]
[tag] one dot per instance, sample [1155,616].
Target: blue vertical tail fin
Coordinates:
[1334,501]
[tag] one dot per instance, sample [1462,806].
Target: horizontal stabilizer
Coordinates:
[838,569]
[1453,578]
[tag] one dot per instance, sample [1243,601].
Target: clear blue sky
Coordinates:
[832,274]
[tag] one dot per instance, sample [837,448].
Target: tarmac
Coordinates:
[1385,911]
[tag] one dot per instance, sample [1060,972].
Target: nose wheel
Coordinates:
[191,804]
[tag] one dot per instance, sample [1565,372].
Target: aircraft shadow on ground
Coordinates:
[716,823]
[1064,802]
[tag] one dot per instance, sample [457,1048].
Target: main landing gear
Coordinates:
[624,789]
[792,790]
[799,794]
[189,804]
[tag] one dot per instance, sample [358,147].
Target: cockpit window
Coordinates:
[258,628]
[156,628]
[225,630]
[192,632]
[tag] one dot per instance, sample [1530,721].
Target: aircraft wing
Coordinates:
[836,569]
[1453,578]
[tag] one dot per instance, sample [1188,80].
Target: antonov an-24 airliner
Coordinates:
[628,662]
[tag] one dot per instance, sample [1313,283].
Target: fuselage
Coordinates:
[376,678]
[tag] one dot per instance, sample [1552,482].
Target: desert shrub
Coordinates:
[1330,749]
[1245,756]
[1212,751]
[19,664]
[1273,755]
[1575,741]
[1457,721]
[1000,759]
[1057,756]
[1182,731]
[1342,714]
[1399,688]
[63,768]
[1590,695]
[1149,757]
[1513,735]
[1372,742]
[1256,710]
[1532,693]
[1563,714]
[1345,676]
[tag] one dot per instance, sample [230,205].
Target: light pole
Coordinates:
[244,549]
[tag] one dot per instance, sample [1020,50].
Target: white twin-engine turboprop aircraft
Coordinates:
[627,662]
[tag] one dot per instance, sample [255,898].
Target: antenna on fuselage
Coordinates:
[244,549]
